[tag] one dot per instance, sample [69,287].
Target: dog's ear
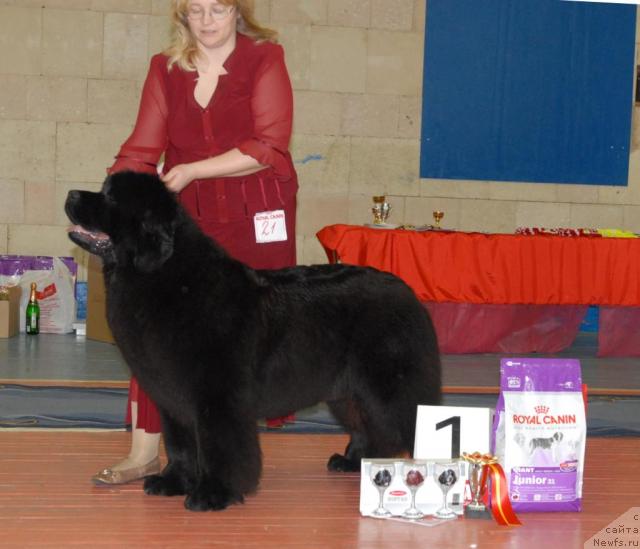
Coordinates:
[154,245]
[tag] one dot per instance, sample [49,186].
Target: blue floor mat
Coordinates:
[94,408]
[22,406]
[84,408]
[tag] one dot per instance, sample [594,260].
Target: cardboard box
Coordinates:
[97,327]
[10,312]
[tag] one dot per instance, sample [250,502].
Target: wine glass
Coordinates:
[381,474]
[445,474]
[414,476]
[437,216]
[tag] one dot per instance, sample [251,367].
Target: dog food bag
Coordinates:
[540,433]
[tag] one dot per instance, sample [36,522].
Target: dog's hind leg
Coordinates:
[374,430]
[386,430]
[387,419]
[380,419]
[348,414]
[401,373]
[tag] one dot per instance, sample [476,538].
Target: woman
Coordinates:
[218,104]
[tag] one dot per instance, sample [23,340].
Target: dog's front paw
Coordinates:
[163,485]
[203,499]
[340,464]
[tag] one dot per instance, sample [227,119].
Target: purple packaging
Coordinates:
[11,265]
[539,433]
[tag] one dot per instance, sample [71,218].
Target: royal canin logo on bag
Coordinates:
[542,417]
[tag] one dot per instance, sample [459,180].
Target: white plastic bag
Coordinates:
[55,296]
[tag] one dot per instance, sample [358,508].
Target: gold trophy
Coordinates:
[477,482]
[437,217]
[381,210]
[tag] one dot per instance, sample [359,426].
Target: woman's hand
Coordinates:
[178,177]
[232,163]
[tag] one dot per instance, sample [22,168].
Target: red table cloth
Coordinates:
[445,266]
[487,274]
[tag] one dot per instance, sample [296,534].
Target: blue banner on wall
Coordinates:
[528,90]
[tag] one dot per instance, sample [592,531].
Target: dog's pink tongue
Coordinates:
[79,229]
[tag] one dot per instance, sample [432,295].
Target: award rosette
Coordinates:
[484,469]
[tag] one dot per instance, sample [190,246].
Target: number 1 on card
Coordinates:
[444,432]
[454,421]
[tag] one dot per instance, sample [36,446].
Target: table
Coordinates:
[488,287]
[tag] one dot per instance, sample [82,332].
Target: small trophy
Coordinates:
[437,217]
[381,210]
[477,483]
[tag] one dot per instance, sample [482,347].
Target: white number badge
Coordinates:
[270,226]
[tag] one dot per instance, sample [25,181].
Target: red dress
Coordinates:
[251,110]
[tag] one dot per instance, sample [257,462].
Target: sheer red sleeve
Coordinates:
[142,150]
[272,108]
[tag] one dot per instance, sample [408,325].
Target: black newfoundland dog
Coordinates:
[218,345]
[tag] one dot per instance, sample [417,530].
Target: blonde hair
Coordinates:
[183,49]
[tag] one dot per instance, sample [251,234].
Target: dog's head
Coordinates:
[130,221]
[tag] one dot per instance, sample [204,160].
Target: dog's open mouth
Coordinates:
[94,242]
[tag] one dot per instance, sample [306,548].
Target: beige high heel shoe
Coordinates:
[109,476]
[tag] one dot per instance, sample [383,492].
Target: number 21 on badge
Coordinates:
[270,226]
[444,432]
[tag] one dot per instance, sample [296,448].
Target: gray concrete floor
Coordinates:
[60,357]
[67,357]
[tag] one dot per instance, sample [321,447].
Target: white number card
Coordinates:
[444,432]
[270,226]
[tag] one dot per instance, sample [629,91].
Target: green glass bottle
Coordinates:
[33,313]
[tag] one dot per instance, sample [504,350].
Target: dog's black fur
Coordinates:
[218,345]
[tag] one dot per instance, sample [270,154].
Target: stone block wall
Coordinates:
[71,73]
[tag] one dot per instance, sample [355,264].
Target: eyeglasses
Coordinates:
[216,12]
